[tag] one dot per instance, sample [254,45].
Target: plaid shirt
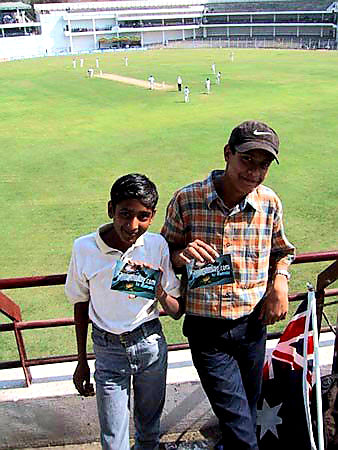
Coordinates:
[253,233]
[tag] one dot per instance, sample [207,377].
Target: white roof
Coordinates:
[13,5]
[127,4]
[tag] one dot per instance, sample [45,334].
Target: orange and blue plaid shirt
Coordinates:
[253,233]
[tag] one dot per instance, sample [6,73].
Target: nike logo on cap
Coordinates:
[259,133]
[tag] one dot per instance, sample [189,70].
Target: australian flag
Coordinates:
[282,414]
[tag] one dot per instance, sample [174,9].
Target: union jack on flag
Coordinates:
[282,421]
[290,348]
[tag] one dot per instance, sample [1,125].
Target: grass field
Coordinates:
[65,138]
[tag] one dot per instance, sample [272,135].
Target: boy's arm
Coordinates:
[276,304]
[171,305]
[81,377]
[197,249]
[174,231]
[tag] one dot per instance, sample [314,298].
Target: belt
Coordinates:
[131,337]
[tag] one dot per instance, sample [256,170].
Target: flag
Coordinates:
[283,421]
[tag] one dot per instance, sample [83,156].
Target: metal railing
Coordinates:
[10,309]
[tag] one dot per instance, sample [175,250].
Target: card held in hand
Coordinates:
[135,279]
[210,274]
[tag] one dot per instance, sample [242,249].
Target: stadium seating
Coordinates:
[81,25]
[315,5]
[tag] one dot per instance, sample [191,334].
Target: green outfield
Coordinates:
[65,138]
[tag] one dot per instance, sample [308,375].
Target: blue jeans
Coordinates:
[140,355]
[229,358]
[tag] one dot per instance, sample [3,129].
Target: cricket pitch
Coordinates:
[134,81]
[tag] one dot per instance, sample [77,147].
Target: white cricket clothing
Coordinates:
[186,94]
[90,275]
[151,80]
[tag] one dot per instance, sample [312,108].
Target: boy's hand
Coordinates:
[276,303]
[159,291]
[197,249]
[81,380]
[135,263]
[170,305]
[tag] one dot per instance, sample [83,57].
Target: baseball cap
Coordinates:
[254,135]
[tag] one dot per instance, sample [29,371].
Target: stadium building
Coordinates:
[62,28]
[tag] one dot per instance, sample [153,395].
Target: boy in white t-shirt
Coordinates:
[128,340]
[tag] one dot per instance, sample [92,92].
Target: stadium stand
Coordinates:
[81,26]
[16,19]
[272,6]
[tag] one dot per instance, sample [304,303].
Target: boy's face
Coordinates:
[130,220]
[247,170]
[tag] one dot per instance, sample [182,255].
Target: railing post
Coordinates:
[9,308]
[335,351]
[13,312]
[22,354]
[324,279]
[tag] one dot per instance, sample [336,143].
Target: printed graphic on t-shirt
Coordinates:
[210,274]
[135,279]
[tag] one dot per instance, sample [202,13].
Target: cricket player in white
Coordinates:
[186,94]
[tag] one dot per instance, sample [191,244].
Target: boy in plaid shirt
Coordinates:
[232,213]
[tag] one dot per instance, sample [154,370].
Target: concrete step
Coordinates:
[51,413]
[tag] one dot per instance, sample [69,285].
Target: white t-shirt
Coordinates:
[90,275]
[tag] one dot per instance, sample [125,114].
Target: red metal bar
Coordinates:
[24,282]
[335,355]
[45,323]
[23,355]
[316,257]
[59,279]
[324,279]
[52,323]
[9,308]
[303,295]
[90,356]
[327,276]
[30,325]
[12,310]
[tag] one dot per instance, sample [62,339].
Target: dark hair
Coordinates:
[134,186]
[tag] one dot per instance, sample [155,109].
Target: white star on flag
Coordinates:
[268,418]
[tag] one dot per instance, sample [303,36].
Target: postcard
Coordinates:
[135,279]
[210,274]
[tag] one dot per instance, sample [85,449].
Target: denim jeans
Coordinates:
[140,356]
[229,358]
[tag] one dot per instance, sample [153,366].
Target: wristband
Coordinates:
[283,272]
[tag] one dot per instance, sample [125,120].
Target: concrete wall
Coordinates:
[21,46]
[155,37]
[71,419]
[52,28]
[50,413]
[84,43]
